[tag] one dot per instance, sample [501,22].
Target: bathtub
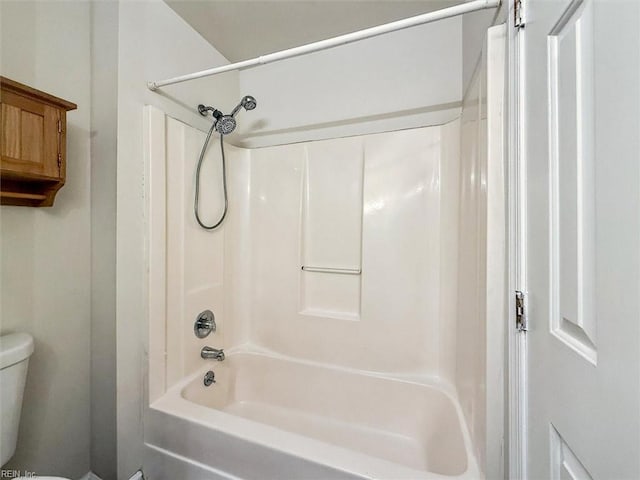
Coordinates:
[272,417]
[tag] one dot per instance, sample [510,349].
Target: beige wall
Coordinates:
[59,264]
[45,253]
[104,103]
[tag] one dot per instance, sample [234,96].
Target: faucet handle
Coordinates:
[205,324]
[209,378]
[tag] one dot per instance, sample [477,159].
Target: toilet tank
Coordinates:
[15,350]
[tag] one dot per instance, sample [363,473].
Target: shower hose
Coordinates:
[224,182]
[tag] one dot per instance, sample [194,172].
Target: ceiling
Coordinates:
[241,29]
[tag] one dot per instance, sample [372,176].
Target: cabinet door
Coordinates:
[31,137]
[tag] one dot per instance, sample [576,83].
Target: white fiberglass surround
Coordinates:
[383,213]
[369,204]
[326,373]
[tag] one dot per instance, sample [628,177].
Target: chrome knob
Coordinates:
[209,378]
[205,324]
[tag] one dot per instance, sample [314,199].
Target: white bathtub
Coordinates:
[269,417]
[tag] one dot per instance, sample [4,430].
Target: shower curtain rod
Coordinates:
[335,41]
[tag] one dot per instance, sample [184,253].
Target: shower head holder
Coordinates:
[204,111]
[225,124]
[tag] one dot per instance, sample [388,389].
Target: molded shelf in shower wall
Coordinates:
[331,233]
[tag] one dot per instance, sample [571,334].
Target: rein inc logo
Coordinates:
[17,474]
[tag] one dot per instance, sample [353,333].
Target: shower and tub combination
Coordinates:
[315,308]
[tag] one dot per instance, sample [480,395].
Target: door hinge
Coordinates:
[518,17]
[521,313]
[59,126]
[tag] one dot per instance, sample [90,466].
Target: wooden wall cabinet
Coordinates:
[33,145]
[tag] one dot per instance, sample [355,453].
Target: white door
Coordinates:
[581,151]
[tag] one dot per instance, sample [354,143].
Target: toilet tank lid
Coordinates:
[14,348]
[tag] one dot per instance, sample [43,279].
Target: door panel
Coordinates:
[571,162]
[564,463]
[581,126]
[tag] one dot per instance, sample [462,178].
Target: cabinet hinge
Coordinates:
[518,16]
[59,146]
[521,313]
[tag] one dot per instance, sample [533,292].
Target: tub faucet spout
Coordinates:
[209,352]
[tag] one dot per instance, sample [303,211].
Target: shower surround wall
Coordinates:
[372,203]
[482,274]
[204,269]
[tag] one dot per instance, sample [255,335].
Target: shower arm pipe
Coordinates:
[441,14]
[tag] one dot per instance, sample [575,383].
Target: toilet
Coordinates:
[15,350]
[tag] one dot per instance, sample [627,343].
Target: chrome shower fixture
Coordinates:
[225,124]
[247,102]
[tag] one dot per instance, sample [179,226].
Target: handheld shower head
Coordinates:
[247,102]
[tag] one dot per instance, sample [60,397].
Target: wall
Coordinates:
[497,271]
[382,215]
[104,91]
[396,304]
[206,269]
[393,307]
[400,80]
[192,269]
[471,338]
[474,30]
[481,313]
[46,268]
[153,43]
[449,237]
